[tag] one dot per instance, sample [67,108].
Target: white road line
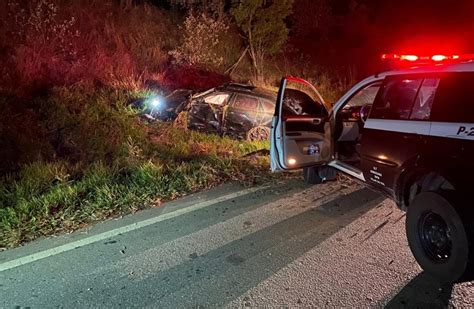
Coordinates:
[121,230]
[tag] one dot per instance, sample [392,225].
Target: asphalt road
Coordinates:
[284,245]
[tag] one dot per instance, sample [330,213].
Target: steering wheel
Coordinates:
[364,112]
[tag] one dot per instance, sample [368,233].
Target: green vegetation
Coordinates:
[47,198]
[115,165]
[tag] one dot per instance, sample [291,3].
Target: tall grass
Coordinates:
[46,198]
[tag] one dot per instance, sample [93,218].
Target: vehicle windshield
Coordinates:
[364,96]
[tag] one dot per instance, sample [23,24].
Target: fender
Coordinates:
[440,168]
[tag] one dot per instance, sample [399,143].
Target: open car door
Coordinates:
[301,129]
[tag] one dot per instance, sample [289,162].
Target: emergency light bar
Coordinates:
[424,59]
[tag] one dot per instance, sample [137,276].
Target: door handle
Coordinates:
[293,134]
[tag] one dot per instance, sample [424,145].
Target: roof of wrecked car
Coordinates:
[249,89]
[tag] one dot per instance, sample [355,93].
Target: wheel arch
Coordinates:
[414,180]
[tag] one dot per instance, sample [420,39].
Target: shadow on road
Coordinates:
[422,292]
[229,271]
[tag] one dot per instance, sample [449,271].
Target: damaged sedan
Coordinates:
[235,110]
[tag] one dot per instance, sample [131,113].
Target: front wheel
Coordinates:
[259,133]
[440,237]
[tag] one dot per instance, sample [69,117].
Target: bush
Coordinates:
[69,124]
[192,78]
[48,43]
[90,127]
[21,134]
[201,40]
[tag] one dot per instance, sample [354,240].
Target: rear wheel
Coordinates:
[440,234]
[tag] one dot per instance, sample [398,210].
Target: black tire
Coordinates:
[440,236]
[311,175]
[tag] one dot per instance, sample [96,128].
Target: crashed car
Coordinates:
[163,108]
[236,110]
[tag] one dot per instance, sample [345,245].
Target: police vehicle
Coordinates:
[407,133]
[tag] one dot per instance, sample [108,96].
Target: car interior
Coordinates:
[307,133]
[350,121]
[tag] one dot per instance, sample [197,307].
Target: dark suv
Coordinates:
[240,111]
[408,134]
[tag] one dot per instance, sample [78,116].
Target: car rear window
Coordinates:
[454,100]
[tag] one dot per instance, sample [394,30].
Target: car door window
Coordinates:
[365,96]
[422,107]
[396,99]
[267,106]
[245,103]
[297,102]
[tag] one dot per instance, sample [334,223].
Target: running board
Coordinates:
[343,167]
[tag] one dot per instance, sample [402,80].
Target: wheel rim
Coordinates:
[435,237]
[258,134]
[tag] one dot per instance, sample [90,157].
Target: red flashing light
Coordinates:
[422,59]
[399,57]
[440,57]
[409,57]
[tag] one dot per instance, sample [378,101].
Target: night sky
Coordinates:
[364,29]
[423,25]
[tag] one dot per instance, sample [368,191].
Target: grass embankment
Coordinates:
[106,163]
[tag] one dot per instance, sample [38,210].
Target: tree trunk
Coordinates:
[260,56]
[253,56]
[232,68]
[254,62]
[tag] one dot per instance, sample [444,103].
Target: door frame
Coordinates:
[343,167]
